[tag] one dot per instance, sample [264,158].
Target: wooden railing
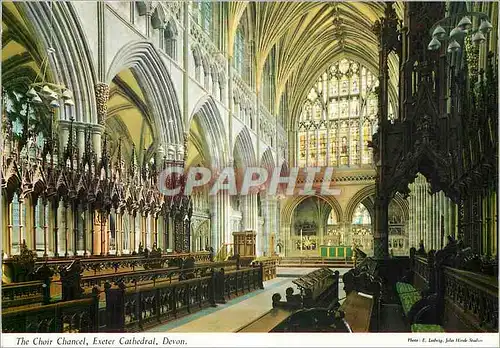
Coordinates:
[470,301]
[465,301]
[135,310]
[157,275]
[423,273]
[315,284]
[319,288]
[68,317]
[130,309]
[114,263]
[17,294]
[269,264]
[230,284]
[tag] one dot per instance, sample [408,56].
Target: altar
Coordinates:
[339,251]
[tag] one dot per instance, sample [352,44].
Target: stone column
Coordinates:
[220,222]
[269,212]
[409,224]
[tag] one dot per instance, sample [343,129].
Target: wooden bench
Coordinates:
[313,309]
[417,307]
[358,308]
[130,309]
[452,299]
[25,293]
[63,317]
[268,321]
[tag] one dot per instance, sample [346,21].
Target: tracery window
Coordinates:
[361,216]
[239,52]
[39,224]
[206,10]
[341,112]
[18,220]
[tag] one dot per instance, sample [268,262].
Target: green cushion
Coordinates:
[408,300]
[405,287]
[426,328]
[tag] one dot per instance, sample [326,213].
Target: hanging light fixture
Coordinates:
[67,94]
[32,93]
[439,33]
[485,26]
[478,38]
[53,96]
[465,23]
[36,99]
[456,33]
[453,46]
[41,90]
[434,45]
[47,91]
[55,104]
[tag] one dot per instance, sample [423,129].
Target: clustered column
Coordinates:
[432,217]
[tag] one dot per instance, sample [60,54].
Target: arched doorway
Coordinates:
[361,229]
[309,226]
[361,226]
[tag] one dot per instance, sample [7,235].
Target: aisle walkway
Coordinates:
[238,312]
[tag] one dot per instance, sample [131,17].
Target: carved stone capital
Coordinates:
[102,96]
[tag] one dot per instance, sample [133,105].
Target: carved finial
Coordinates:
[133,163]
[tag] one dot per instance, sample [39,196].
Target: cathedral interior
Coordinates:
[399,98]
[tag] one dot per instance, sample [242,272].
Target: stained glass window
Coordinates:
[16,224]
[322,149]
[302,158]
[239,51]
[347,89]
[332,218]
[126,231]
[206,16]
[39,225]
[361,215]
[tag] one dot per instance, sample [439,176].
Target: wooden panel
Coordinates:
[358,311]
[267,322]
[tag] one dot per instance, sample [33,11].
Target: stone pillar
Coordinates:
[220,221]
[269,212]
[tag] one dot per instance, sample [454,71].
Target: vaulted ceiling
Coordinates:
[21,56]
[308,36]
[128,116]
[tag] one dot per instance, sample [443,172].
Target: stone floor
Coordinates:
[236,313]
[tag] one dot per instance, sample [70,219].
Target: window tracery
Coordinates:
[341,111]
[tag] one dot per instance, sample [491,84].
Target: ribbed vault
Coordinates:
[308,37]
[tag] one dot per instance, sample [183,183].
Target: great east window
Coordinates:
[339,117]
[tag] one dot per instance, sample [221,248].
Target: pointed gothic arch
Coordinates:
[206,115]
[143,58]
[58,26]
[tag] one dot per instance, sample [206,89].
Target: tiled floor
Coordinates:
[234,314]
